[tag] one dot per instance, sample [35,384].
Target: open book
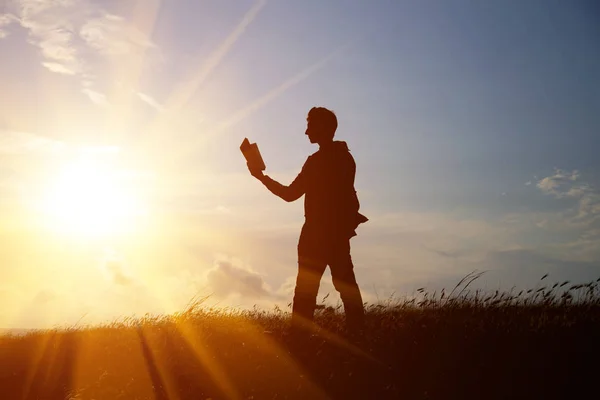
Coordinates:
[252,155]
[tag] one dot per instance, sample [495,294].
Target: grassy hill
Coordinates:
[542,343]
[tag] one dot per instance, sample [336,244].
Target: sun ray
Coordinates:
[41,351]
[181,95]
[257,104]
[164,387]
[181,152]
[256,336]
[187,88]
[209,361]
[204,355]
[145,15]
[276,92]
[159,374]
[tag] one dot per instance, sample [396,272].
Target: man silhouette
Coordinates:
[331,217]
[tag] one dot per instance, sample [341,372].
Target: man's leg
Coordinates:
[344,280]
[310,271]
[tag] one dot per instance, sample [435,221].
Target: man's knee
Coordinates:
[306,288]
[342,274]
[347,285]
[309,278]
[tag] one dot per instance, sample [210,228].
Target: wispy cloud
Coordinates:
[71,34]
[27,143]
[111,35]
[95,97]
[58,68]
[5,21]
[115,268]
[150,101]
[556,184]
[24,143]
[565,184]
[50,27]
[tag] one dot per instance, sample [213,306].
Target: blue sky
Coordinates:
[475,127]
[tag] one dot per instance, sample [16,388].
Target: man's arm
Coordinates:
[288,193]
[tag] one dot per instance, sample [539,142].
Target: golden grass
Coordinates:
[461,344]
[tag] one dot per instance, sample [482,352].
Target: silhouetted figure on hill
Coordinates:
[331,217]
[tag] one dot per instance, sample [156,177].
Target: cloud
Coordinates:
[230,279]
[95,97]
[556,184]
[226,278]
[5,20]
[115,268]
[58,68]
[223,210]
[404,250]
[519,268]
[50,27]
[111,35]
[44,297]
[24,143]
[27,143]
[72,34]
[567,185]
[526,266]
[213,210]
[150,101]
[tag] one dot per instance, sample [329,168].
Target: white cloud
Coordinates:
[150,101]
[111,35]
[23,143]
[555,184]
[71,34]
[116,269]
[56,45]
[100,149]
[222,209]
[5,20]
[58,68]
[27,143]
[228,278]
[95,97]
[564,184]
[50,27]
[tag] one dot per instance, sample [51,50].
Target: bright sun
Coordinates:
[91,198]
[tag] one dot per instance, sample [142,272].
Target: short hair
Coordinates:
[325,118]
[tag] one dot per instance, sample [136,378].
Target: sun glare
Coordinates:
[91,198]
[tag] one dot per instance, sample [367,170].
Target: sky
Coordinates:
[475,127]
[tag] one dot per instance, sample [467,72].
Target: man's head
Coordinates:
[321,125]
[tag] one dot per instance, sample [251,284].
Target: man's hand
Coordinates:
[256,172]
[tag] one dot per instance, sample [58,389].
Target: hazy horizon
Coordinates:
[474,126]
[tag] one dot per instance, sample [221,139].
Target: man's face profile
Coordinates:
[312,131]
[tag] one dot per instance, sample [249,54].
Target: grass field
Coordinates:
[536,344]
